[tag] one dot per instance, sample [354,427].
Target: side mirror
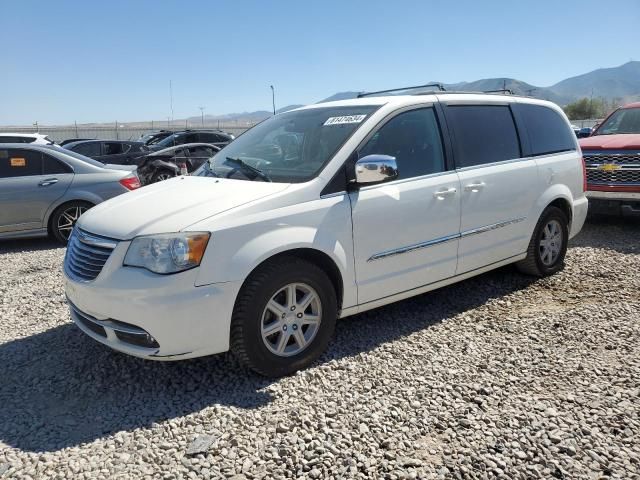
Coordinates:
[376,169]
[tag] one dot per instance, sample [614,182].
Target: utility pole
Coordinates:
[202,114]
[37,127]
[76,124]
[171,99]
[273,99]
[591,105]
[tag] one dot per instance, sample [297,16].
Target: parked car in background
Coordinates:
[584,132]
[612,159]
[45,189]
[34,138]
[371,201]
[165,164]
[213,137]
[110,151]
[154,137]
[71,140]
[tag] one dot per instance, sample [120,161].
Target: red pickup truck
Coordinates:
[612,160]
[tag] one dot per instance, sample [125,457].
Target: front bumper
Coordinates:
[614,202]
[186,321]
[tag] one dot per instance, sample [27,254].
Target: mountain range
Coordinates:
[621,83]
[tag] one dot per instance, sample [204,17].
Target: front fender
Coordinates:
[324,226]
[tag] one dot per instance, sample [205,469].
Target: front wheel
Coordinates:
[548,245]
[284,317]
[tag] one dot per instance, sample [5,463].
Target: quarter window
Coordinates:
[483,134]
[52,166]
[548,132]
[413,138]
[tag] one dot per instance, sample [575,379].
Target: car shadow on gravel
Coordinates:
[28,245]
[60,388]
[610,232]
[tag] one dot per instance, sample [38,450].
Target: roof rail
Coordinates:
[438,85]
[500,90]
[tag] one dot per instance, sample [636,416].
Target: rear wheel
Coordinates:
[64,219]
[548,245]
[284,317]
[161,175]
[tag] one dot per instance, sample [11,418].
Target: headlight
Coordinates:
[167,253]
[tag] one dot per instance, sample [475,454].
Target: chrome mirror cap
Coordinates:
[376,169]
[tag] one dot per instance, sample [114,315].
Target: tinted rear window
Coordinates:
[548,132]
[483,134]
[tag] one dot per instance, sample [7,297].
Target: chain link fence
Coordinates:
[120,131]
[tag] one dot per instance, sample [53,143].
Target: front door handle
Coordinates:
[474,187]
[47,182]
[441,194]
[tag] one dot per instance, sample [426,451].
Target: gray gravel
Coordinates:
[500,376]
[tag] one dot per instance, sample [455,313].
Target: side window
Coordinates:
[413,138]
[88,149]
[7,139]
[483,134]
[16,162]
[52,166]
[190,138]
[113,148]
[548,132]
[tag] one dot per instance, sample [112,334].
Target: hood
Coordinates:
[171,205]
[623,141]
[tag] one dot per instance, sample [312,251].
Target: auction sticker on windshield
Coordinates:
[344,119]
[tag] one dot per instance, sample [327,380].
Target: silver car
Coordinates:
[44,189]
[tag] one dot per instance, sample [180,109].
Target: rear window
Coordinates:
[548,132]
[483,134]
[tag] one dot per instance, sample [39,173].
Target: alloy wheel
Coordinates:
[550,243]
[291,319]
[68,219]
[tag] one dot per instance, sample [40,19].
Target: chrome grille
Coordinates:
[86,255]
[613,177]
[619,158]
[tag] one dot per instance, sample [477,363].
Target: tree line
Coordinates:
[588,108]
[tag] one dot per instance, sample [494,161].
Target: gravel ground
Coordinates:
[499,376]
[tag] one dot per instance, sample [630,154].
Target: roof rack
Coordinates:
[500,90]
[439,86]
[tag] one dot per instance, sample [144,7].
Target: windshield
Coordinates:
[625,120]
[290,147]
[171,140]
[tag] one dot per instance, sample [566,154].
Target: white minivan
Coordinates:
[324,212]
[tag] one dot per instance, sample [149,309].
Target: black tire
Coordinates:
[533,264]
[160,175]
[58,222]
[247,321]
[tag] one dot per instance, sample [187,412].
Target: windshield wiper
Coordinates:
[248,168]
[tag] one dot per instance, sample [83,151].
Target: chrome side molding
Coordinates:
[441,240]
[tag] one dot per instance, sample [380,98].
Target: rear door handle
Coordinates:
[474,187]
[47,182]
[441,194]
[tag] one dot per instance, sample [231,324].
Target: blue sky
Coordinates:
[103,61]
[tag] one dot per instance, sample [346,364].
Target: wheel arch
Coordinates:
[314,256]
[64,202]
[559,196]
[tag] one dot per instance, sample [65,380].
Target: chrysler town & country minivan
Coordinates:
[321,213]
